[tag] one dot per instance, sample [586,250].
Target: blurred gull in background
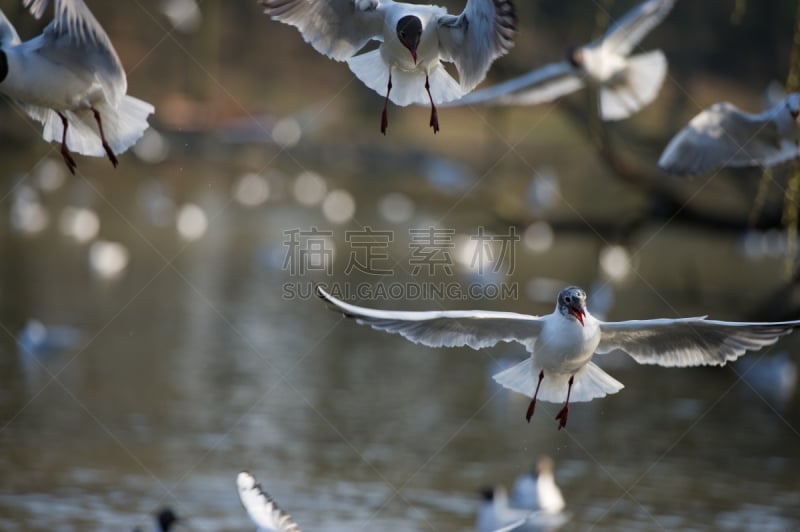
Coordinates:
[262,508]
[414,39]
[562,344]
[184,15]
[70,79]
[725,136]
[37,339]
[537,490]
[626,83]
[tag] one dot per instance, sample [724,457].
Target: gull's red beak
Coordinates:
[577,312]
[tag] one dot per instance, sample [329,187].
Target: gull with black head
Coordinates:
[415,39]
[563,343]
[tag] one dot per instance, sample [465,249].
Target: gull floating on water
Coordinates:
[415,39]
[496,514]
[562,344]
[70,79]
[724,135]
[263,510]
[626,83]
[537,490]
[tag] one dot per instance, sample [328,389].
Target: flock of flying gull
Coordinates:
[71,80]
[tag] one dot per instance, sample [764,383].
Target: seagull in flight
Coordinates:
[626,82]
[562,344]
[263,510]
[415,39]
[724,135]
[70,79]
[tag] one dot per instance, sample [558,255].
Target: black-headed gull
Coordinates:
[537,490]
[263,510]
[415,39]
[562,344]
[70,79]
[724,135]
[626,83]
[495,514]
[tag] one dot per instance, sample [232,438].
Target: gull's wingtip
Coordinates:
[244,480]
[322,294]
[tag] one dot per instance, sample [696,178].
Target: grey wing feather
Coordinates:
[689,341]
[8,34]
[542,85]
[335,28]
[483,32]
[262,508]
[476,329]
[629,31]
[76,38]
[723,135]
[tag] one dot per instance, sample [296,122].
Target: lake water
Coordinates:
[203,358]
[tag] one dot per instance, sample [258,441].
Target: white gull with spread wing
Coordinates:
[415,39]
[562,344]
[626,83]
[70,79]
[724,135]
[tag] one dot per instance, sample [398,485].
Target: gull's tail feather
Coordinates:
[643,79]
[407,87]
[590,382]
[123,125]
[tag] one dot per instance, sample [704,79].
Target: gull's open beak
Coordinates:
[577,312]
[413,51]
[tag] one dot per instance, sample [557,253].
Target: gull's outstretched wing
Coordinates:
[475,328]
[634,26]
[75,38]
[483,32]
[8,34]
[723,135]
[542,85]
[263,510]
[689,341]
[335,28]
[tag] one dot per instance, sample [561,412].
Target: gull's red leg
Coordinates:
[529,413]
[564,412]
[434,115]
[64,151]
[111,156]
[385,114]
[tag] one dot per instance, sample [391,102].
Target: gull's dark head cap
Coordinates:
[792,104]
[572,302]
[166,518]
[409,31]
[575,56]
